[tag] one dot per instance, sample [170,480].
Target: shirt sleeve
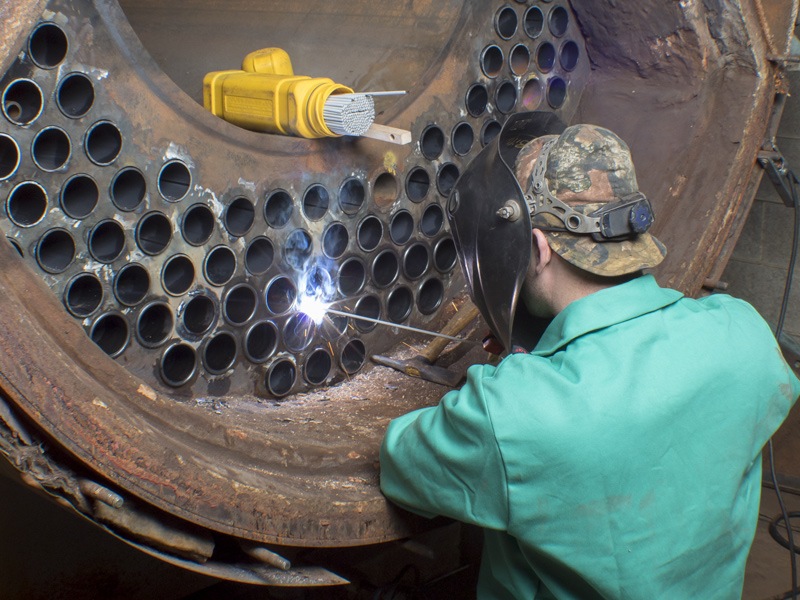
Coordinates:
[444,460]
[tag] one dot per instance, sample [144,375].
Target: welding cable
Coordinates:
[774,530]
[785,516]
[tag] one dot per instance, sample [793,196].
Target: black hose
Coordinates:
[787,542]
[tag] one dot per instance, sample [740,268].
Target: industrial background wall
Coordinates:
[157,376]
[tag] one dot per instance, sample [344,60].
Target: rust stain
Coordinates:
[390,162]
[147,392]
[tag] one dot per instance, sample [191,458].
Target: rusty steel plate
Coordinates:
[102,103]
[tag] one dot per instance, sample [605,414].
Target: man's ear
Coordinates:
[542,252]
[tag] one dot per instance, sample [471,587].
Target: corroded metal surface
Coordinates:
[687,84]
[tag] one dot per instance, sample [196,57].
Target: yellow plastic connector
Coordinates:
[267,96]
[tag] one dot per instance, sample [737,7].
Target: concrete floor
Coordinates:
[768,573]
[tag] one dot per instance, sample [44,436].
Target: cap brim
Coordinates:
[607,259]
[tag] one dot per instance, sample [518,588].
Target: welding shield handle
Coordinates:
[454,326]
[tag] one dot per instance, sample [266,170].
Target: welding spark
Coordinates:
[315,293]
[313,307]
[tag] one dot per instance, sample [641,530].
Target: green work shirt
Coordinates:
[619,459]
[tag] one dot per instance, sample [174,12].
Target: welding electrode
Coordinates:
[391,324]
[265,95]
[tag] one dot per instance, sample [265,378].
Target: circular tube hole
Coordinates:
[240,304]
[492,61]
[432,220]
[477,99]
[128,189]
[335,240]
[16,246]
[385,268]
[280,377]
[558,21]
[239,216]
[51,149]
[22,101]
[26,204]
[505,22]
[261,341]
[384,192]
[198,224]
[219,265]
[430,296]
[462,139]
[131,284]
[79,196]
[281,294]
[174,181]
[316,282]
[351,196]
[370,233]
[177,275]
[199,314]
[318,367]
[83,295]
[153,233]
[353,356]
[368,306]
[334,326]
[416,261]
[55,251]
[569,55]
[315,202]
[532,94]
[178,364]
[505,98]
[352,277]
[154,325]
[103,143]
[47,45]
[533,22]
[298,332]
[418,183]
[401,227]
[446,178]
[297,249]
[9,156]
[431,142]
[519,60]
[490,130]
[278,208]
[219,353]
[556,92]
[399,304]
[107,241]
[259,255]
[75,95]
[111,332]
[546,56]
[445,255]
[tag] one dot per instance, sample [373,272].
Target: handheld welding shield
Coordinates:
[491,223]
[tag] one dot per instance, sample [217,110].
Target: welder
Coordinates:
[615,452]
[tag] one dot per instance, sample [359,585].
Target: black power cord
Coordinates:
[785,516]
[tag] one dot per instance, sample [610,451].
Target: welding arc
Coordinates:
[406,327]
[349,114]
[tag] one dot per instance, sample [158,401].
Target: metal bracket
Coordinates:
[781,176]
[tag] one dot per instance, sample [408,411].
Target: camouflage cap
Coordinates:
[587,167]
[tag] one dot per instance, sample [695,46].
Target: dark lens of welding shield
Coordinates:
[495,251]
[491,249]
[623,219]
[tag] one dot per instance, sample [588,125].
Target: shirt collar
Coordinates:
[605,308]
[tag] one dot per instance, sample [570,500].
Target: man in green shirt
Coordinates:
[616,451]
